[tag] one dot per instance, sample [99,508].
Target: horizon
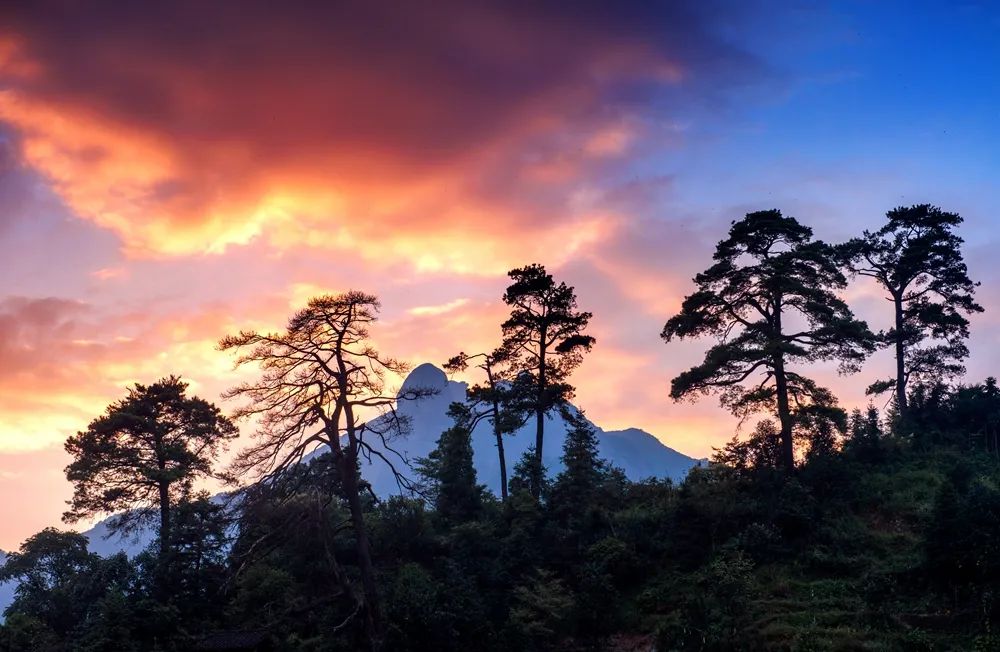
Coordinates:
[203,171]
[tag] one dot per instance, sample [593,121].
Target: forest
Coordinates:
[816,527]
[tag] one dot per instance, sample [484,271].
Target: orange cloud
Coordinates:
[62,362]
[287,128]
[124,181]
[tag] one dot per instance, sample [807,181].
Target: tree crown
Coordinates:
[916,257]
[768,299]
[155,436]
[321,380]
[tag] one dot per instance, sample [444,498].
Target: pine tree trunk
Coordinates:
[536,481]
[900,359]
[164,548]
[503,459]
[497,432]
[369,586]
[536,477]
[781,391]
[164,521]
[784,416]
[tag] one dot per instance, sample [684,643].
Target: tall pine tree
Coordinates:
[142,456]
[545,340]
[916,257]
[770,302]
[583,471]
[492,401]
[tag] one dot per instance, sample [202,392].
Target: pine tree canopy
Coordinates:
[770,302]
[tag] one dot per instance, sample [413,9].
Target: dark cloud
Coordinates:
[188,126]
[419,80]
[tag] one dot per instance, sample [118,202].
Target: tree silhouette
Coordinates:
[821,424]
[60,583]
[320,378]
[575,489]
[769,300]
[143,455]
[491,401]
[916,257]
[545,340]
[198,547]
[455,493]
[761,451]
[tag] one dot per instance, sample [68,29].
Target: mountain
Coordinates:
[639,454]
[105,544]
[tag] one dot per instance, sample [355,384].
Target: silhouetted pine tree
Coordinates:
[544,342]
[142,456]
[577,485]
[916,257]
[768,275]
[760,451]
[456,495]
[529,473]
[865,433]
[494,400]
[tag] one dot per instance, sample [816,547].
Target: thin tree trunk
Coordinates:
[784,416]
[536,481]
[536,489]
[369,586]
[503,459]
[349,478]
[497,432]
[900,359]
[781,391]
[164,551]
[164,521]
[536,478]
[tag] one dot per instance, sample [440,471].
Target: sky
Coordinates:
[174,172]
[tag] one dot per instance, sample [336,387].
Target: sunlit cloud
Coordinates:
[423,311]
[400,156]
[109,273]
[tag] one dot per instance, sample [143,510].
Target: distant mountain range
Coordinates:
[639,454]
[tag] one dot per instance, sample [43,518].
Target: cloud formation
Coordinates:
[456,138]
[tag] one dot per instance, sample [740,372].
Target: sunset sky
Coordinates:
[173,172]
